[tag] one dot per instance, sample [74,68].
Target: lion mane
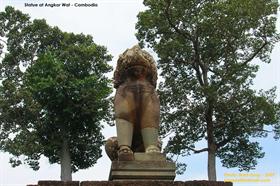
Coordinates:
[132,57]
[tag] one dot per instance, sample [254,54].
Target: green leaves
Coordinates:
[53,88]
[205,51]
[240,153]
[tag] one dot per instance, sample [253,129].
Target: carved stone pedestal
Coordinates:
[144,167]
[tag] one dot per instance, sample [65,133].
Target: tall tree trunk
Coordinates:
[212,163]
[65,162]
[211,141]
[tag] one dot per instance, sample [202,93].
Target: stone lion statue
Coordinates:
[136,106]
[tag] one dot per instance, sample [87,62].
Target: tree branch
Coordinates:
[262,130]
[214,72]
[169,133]
[198,65]
[254,54]
[168,17]
[188,36]
[198,151]
[3,41]
[224,142]
[242,64]
[198,74]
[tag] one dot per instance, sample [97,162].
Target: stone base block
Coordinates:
[149,157]
[58,183]
[134,183]
[144,167]
[155,183]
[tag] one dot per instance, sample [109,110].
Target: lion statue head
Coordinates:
[135,57]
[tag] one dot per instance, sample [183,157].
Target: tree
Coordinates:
[54,94]
[206,51]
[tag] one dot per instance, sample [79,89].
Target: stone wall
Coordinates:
[133,183]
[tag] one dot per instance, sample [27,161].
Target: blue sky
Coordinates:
[112,24]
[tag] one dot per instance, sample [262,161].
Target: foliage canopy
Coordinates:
[53,92]
[206,51]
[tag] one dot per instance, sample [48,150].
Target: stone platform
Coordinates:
[134,183]
[144,167]
[146,170]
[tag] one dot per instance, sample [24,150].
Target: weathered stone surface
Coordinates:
[58,183]
[149,157]
[142,170]
[134,183]
[133,57]
[136,106]
[154,183]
